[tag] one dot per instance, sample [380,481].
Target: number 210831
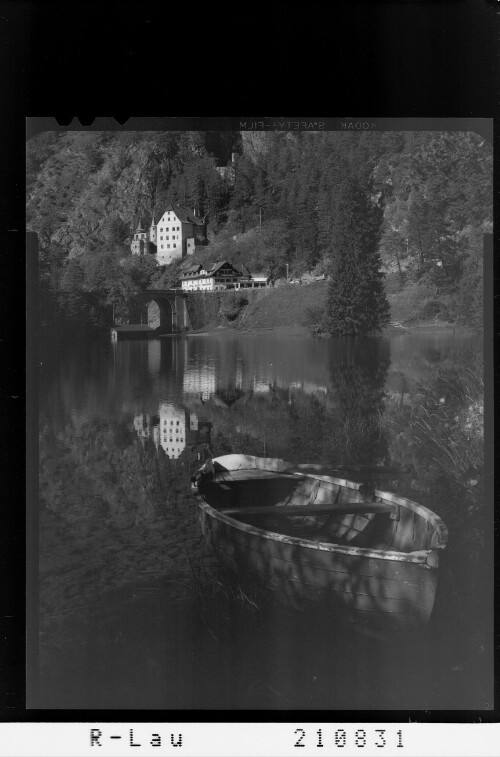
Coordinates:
[341,738]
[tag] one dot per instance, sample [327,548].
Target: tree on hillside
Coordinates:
[242,201]
[114,282]
[141,269]
[115,231]
[356,304]
[73,300]
[394,249]
[273,254]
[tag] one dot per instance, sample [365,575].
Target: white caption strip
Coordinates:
[249,739]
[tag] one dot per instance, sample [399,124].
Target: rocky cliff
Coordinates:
[88,189]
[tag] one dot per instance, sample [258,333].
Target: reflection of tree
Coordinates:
[358,373]
[229,395]
[106,500]
[440,428]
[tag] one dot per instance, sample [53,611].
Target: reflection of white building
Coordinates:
[172,429]
[308,387]
[260,387]
[142,426]
[199,381]
[238,380]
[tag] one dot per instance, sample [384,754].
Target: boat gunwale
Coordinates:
[420,557]
[427,558]
[425,512]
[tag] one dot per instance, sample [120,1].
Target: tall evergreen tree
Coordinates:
[356,304]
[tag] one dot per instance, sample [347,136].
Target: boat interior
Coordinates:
[318,510]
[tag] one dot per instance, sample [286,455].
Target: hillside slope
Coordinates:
[278,210]
[285,306]
[89,189]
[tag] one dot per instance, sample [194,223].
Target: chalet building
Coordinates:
[174,237]
[221,276]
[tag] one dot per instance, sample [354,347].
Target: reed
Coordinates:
[211,585]
[450,426]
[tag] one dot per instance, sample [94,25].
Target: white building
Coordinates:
[140,245]
[176,234]
[222,275]
[197,278]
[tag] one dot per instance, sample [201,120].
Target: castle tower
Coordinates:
[139,244]
[152,231]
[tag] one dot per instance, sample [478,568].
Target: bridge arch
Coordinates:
[160,315]
[164,310]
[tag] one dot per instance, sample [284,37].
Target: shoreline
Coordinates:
[391,330]
[295,330]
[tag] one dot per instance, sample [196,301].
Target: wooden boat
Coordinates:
[313,537]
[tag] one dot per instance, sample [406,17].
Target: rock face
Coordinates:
[86,190]
[254,143]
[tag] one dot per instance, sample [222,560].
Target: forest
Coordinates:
[395,220]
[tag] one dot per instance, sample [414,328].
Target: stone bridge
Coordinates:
[164,309]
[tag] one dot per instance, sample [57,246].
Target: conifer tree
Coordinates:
[356,304]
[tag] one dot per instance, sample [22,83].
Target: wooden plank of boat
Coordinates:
[350,508]
[252,475]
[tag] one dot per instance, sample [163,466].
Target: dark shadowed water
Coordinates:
[133,611]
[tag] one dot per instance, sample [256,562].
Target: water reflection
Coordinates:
[358,371]
[123,426]
[173,429]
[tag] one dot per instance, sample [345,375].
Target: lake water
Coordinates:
[134,612]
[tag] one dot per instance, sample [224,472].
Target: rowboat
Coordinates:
[317,538]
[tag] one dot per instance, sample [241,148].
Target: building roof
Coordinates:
[194,271]
[193,268]
[184,215]
[223,263]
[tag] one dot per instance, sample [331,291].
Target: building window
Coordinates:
[168,246]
